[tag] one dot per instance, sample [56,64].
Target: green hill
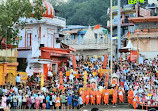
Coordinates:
[84,12]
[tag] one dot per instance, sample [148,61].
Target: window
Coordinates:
[28,39]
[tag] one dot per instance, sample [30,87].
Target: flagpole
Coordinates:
[111,33]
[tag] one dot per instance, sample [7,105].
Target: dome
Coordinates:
[49,12]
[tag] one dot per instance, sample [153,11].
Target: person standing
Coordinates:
[106,96]
[63,101]
[47,101]
[57,102]
[75,101]
[29,102]
[114,96]
[15,100]
[130,96]
[53,100]
[87,97]
[4,100]
[69,99]
[80,101]
[120,91]
[18,80]
[20,101]
[98,97]
[10,100]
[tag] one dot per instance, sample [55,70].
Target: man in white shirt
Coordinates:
[15,89]
[41,97]
[17,79]
[53,100]
[44,89]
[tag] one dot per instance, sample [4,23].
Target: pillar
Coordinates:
[79,39]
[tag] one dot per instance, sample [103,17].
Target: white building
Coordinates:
[40,43]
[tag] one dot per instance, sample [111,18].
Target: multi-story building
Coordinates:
[40,44]
[145,35]
[87,41]
[127,11]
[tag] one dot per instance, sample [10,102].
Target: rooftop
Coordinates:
[144,19]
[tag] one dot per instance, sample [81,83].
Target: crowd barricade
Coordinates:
[142,104]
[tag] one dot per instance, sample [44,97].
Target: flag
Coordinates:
[97,27]
[128,33]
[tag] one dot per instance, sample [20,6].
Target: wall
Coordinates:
[149,54]
[147,46]
[8,72]
[147,25]
[99,52]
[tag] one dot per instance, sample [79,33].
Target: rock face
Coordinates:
[89,37]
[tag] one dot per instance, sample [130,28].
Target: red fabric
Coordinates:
[61,87]
[122,84]
[97,27]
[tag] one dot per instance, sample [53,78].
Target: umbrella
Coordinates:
[105,61]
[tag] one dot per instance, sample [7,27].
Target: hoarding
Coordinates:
[135,1]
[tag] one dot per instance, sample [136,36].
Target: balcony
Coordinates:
[8,59]
[101,43]
[144,33]
[9,55]
[124,22]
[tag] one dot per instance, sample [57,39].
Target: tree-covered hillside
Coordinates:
[84,12]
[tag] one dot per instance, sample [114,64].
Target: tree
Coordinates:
[11,11]
[85,12]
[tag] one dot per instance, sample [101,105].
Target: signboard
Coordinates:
[133,56]
[135,1]
[114,8]
[128,7]
[23,76]
[144,12]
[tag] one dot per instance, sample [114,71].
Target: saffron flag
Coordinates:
[97,27]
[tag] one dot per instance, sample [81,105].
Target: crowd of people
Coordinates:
[134,83]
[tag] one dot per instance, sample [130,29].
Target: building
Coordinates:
[8,64]
[86,40]
[40,44]
[145,35]
[127,11]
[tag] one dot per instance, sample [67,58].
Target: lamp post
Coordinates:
[111,34]
[137,45]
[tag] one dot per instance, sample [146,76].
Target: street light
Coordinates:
[111,33]
[137,45]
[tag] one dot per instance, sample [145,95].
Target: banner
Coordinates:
[23,76]
[135,1]
[133,56]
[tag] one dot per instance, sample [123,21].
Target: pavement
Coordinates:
[89,107]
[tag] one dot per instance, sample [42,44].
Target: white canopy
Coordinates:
[130,46]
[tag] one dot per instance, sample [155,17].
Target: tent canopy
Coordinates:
[128,47]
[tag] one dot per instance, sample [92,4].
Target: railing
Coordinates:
[60,18]
[69,41]
[8,59]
